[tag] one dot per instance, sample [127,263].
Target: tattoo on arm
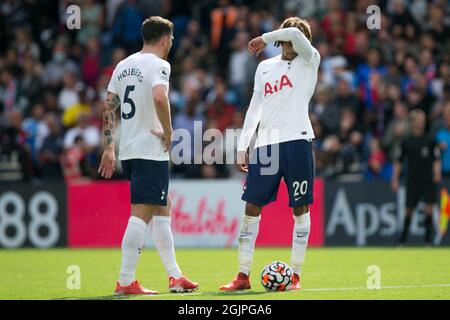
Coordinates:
[109,118]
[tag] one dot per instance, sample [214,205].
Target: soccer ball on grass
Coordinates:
[277,276]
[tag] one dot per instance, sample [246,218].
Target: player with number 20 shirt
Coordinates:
[283,88]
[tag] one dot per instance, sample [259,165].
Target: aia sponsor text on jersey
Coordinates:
[277,86]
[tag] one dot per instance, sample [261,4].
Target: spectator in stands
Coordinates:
[56,68]
[72,113]
[219,109]
[51,150]
[90,134]
[436,24]
[331,162]
[327,112]
[36,131]
[91,20]
[339,71]
[442,79]
[51,101]
[194,43]
[443,140]
[30,88]
[87,138]
[73,160]
[117,55]
[345,97]
[25,46]
[402,24]
[222,19]
[187,120]
[377,168]
[102,86]
[397,130]
[351,139]
[91,62]
[12,63]
[69,96]
[367,73]
[127,26]
[239,62]
[13,145]
[8,91]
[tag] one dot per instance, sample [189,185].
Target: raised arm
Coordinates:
[107,164]
[300,43]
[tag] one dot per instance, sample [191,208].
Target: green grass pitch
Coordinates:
[328,273]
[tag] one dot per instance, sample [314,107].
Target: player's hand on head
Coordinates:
[242,161]
[166,138]
[107,164]
[256,46]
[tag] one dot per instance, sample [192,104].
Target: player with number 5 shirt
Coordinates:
[139,86]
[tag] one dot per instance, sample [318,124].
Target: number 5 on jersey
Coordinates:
[127,99]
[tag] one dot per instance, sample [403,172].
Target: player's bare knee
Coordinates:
[252,210]
[298,211]
[141,212]
[146,218]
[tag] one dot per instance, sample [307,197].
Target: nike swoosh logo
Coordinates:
[296,199]
[265,72]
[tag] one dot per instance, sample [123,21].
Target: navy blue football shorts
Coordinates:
[149,180]
[295,166]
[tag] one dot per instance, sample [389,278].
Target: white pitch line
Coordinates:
[302,290]
[383,287]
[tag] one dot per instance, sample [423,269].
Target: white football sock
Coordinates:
[132,243]
[300,241]
[247,239]
[163,239]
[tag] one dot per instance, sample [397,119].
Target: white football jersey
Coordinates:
[133,80]
[286,88]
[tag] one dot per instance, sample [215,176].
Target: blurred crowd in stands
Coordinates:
[53,79]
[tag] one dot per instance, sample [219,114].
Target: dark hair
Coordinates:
[296,22]
[154,28]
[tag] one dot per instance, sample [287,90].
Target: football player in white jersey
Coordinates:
[139,86]
[283,88]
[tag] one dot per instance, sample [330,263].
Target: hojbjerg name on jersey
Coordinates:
[130,72]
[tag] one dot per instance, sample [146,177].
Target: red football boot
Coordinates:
[295,282]
[181,285]
[134,288]
[242,282]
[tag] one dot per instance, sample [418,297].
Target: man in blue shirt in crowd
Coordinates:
[443,139]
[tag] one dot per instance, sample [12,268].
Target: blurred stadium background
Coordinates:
[53,81]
